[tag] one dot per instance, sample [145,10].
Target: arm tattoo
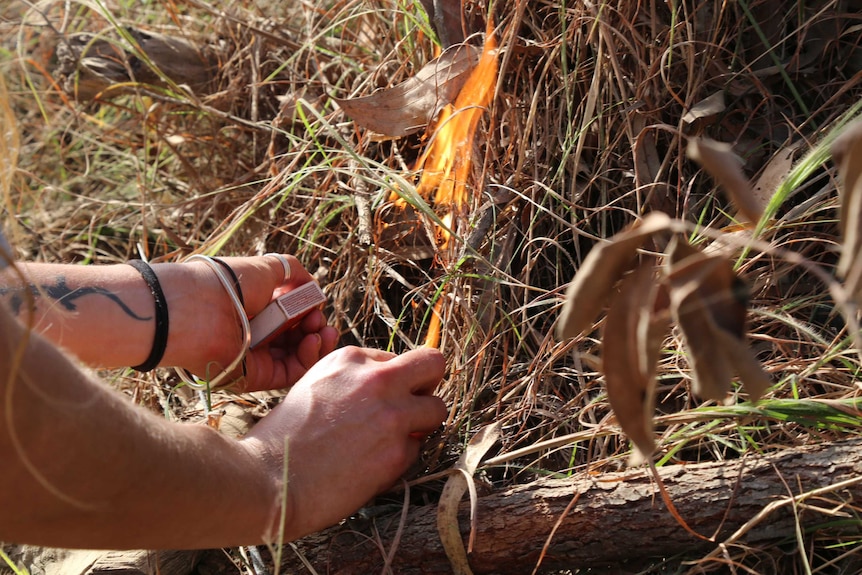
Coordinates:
[66,296]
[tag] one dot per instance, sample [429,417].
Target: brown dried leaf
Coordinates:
[652,329]
[712,276]
[631,386]
[718,159]
[750,372]
[409,106]
[647,161]
[709,302]
[445,16]
[712,373]
[709,106]
[459,482]
[774,173]
[847,153]
[602,268]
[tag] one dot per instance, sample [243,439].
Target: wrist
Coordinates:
[279,506]
[205,331]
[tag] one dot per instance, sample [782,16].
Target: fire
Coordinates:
[447,161]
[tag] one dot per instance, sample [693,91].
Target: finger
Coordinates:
[423,368]
[313,321]
[287,270]
[308,350]
[329,340]
[259,371]
[261,277]
[377,354]
[285,265]
[426,414]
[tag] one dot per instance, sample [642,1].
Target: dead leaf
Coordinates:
[445,16]
[774,173]
[601,269]
[234,420]
[693,292]
[712,276]
[647,161]
[709,303]
[750,372]
[631,333]
[847,153]
[409,106]
[712,373]
[460,481]
[709,106]
[652,328]
[718,159]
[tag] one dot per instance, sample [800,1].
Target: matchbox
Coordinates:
[285,312]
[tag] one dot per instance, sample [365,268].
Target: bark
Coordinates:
[615,518]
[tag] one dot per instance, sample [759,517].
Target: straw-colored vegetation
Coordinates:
[587,131]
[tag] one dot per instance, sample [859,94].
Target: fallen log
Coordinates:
[614,518]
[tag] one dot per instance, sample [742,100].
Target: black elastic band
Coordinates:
[233,277]
[238,291]
[160,338]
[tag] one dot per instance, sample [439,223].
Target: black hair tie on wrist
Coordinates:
[160,339]
[238,290]
[233,278]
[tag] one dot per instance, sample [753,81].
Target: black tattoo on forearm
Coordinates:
[65,296]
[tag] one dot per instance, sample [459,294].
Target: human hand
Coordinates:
[354,423]
[276,364]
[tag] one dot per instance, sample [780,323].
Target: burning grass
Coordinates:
[586,131]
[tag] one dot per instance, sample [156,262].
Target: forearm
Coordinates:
[104,315]
[84,467]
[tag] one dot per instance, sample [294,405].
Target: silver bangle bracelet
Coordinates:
[217,381]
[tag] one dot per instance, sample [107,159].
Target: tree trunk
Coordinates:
[615,518]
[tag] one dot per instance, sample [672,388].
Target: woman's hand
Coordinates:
[276,364]
[105,315]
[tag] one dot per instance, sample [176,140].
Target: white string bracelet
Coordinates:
[229,287]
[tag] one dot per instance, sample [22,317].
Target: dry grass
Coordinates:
[586,133]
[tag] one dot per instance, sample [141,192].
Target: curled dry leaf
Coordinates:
[445,16]
[409,106]
[710,106]
[631,343]
[749,370]
[774,173]
[718,159]
[847,153]
[459,481]
[709,303]
[602,268]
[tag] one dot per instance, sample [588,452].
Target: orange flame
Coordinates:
[447,161]
[432,338]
